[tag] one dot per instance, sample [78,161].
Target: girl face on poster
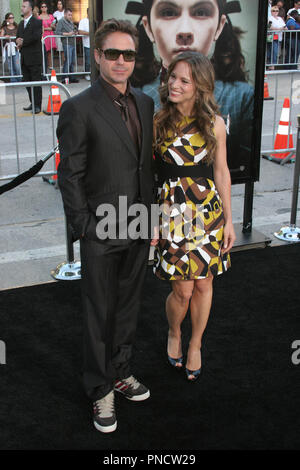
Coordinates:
[176,26]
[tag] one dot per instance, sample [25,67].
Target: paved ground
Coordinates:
[32,232]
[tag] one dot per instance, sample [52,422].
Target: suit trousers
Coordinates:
[112,278]
[33,73]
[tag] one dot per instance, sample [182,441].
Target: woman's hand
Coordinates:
[229,237]
[155,238]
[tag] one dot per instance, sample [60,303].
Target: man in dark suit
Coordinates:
[105,141]
[29,36]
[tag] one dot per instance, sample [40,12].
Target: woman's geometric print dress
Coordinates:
[191,219]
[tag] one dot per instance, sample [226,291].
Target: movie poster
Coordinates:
[225,31]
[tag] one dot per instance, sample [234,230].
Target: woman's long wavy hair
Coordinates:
[228,60]
[205,109]
[4,23]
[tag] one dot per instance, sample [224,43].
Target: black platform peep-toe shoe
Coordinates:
[195,373]
[173,362]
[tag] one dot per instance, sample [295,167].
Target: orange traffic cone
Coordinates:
[283,140]
[57,160]
[53,179]
[266,90]
[56,99]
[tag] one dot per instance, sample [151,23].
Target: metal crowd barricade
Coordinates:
[284,84]
[70,269]
[57,63]
[24,85]
[283,49]
[11,59]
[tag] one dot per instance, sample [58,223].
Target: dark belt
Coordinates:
[170,170]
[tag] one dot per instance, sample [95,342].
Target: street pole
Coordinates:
[291,233]
[296,177]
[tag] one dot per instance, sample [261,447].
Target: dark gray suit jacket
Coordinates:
[99,162]
[31,51]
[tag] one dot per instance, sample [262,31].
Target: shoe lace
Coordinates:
[132,382]
[105,406]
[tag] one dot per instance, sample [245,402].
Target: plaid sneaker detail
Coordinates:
[104,413]
[132,389]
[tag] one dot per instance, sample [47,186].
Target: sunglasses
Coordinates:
[11,17]
[274,10]
[113,54]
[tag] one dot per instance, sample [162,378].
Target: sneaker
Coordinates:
[87,77]
[132,389]
[104,413]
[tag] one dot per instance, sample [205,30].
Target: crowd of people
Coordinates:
[283,47]
[58,23]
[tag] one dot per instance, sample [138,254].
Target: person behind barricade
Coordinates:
[196,231]
[58,15]
[84,29]
[36,11]
[29,42]
[295,7]
[66,28]
[11,55]
[292,48]
[273,39]
[282,14]
[281,8]
[48,30]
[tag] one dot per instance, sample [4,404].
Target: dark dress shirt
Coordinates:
[126,105]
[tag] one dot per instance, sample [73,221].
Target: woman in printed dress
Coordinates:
[196,230]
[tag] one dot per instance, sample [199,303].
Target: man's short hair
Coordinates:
[30,3]
[112,26]
[68,9]
[294,14]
